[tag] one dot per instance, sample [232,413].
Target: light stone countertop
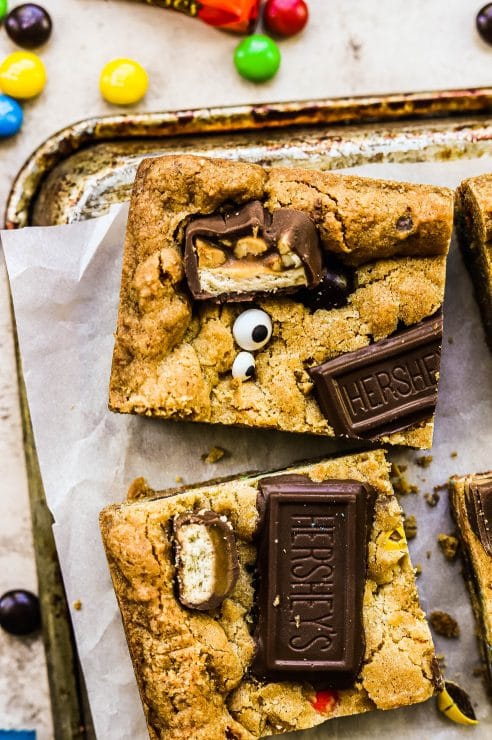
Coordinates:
[350,47]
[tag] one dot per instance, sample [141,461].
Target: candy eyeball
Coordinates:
[243,366]
[252,329]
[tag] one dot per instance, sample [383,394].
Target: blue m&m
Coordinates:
[11,116]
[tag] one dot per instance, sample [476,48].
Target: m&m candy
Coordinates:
[3,9]
[484,23]
[22,75]
[257,58]
[11,116]
[285,17]
[123,82]
[28,25]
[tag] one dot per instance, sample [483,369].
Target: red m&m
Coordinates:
[285,17]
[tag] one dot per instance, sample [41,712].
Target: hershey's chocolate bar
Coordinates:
[248,252]
[478,502]
[206,559]
[312,567]
[385,387]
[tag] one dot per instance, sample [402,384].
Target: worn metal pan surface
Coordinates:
[79,172]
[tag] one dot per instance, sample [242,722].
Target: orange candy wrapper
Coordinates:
[232,15]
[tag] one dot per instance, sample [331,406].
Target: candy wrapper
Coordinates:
[233,15]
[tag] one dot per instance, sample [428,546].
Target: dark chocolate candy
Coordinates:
[332,290]
[312,567]
[385,387]
[248,253]
[206,559]
[478,501]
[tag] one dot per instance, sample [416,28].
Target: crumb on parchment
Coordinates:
[432,499]
[448,544]
[410,526]
[444,624]
[214,455]
[77,605]
[424,461]
[400,482]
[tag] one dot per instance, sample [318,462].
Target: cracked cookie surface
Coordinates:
[192,668]
[173,358]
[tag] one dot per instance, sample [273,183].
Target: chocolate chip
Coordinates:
[404,223]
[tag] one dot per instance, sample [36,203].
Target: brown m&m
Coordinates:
[28,25]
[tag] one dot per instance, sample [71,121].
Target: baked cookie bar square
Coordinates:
[282,298]
[474,227]
[471,506]
[269,603]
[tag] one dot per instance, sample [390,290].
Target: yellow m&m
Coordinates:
[123,82]
[22,75]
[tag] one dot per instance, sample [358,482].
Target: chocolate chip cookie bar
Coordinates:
[269,603]
[471,506]
[474,227]
[282,298]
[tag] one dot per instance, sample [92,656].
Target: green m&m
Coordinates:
[257,58]
[3,9]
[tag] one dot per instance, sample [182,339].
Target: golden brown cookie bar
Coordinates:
[195,669]
[380,273]
[471,506]
[474,227]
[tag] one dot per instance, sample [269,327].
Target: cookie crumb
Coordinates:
[77,605]
[448,544]
[214,455]
[428,554]
[410,526]
[400,482]
[139,488]
[424,461]
[432,499]
[454,454]
[417,570]
[179,479]
[444,624]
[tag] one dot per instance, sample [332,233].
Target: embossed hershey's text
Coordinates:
[312,592]
[390,385]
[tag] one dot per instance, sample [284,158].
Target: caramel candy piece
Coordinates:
[206,559]
[247,253]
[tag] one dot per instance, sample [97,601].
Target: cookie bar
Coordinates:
[288,600]
[471,506]
[282,298]
[474,227]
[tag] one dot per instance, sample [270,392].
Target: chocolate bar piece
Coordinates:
[385,387]
[312,565]
[247,252]
[471,506]
[206,559]
[474,230]
[478,499]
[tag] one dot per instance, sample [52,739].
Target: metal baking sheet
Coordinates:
[81,171]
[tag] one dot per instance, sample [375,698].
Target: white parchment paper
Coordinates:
[65,284]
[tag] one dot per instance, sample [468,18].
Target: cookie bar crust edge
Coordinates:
[209,692]
[474,229]
[171,364]
[477,568]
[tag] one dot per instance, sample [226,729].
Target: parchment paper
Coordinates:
[65,284]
